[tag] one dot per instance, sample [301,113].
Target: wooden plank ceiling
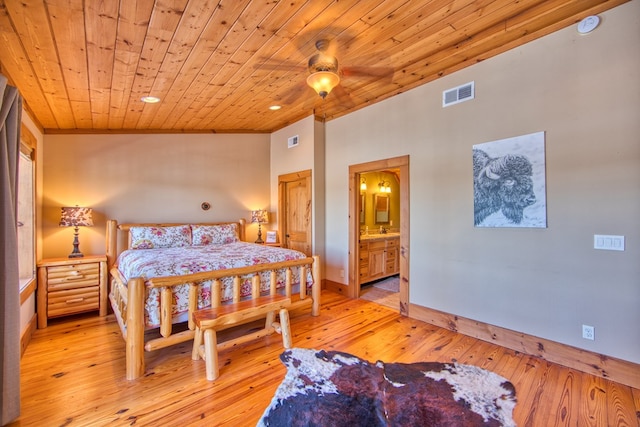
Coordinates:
[83,65]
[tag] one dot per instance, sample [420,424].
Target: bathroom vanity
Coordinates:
[378,256]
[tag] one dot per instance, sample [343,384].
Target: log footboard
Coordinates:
[128,299]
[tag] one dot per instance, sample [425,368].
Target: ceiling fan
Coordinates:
[326,75]
[323,69]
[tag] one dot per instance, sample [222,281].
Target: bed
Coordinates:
[160,274]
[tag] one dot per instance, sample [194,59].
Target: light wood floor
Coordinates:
[381,297]
[73,373]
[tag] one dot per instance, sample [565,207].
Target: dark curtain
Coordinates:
[10,116]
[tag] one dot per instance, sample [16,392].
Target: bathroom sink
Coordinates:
[378,235]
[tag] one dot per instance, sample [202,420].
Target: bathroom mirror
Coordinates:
[381,208]
[362,210]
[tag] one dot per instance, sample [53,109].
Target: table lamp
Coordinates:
[76,217]
[260,216]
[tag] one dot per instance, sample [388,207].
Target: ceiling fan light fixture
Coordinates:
[323,82]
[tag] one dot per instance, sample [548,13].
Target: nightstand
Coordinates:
[71,285]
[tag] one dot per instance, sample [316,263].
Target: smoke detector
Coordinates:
[588,24]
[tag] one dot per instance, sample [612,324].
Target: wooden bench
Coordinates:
[211,320]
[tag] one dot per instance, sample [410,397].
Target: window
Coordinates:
[26,217]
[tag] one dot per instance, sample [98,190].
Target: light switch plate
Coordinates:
[608,242]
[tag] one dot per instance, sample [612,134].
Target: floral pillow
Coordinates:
[160,237]
[214,234]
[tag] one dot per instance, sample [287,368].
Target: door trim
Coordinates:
[401,163]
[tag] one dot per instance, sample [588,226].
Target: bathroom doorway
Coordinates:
[379,225]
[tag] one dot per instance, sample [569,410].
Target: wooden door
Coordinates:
[294,200]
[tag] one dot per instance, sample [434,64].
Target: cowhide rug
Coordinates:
[338,389]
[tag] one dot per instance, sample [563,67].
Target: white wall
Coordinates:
[286,160]
[308,154]
[151,178]
[584,92]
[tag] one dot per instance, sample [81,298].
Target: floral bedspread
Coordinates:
[150,263]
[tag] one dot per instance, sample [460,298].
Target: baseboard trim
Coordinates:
[336,287]
[25,339]
[618,370]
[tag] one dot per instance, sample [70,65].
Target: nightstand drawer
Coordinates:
[62,303]
[72,276]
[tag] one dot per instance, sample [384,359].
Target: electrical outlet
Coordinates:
[341,273]
[588,332]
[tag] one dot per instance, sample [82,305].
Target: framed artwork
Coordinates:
[271,237]
[509,188]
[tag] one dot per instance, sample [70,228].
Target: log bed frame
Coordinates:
[128,298]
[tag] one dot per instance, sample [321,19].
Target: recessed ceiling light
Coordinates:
[150,99]
[275,107]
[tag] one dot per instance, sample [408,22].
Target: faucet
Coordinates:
[383,230]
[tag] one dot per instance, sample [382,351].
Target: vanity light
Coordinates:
[363,184]
[384,187]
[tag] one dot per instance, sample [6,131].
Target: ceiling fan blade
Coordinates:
[343,96]
[298,91]
[281,66]
[377,72]
[306,41]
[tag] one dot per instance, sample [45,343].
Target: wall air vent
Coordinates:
[292,141]
[458,94]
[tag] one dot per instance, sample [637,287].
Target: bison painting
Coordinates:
[509,188]
[501,184]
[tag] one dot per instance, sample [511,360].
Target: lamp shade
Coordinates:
[260,216]
[323,82]
[76,217]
